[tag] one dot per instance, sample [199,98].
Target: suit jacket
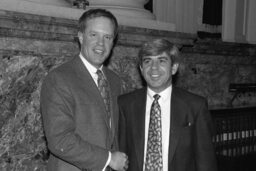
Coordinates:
[75,121]
[190,146]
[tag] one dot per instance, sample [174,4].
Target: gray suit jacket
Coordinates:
[190,145]
[75,120]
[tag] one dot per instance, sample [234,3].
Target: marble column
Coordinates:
[128,12]
[62,3]
[130,8]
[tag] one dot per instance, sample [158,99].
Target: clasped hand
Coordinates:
[119,161]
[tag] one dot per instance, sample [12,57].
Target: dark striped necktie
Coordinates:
[104,91]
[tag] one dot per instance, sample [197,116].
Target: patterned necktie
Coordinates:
[104,91]
[154,161]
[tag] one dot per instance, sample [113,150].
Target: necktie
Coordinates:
[104,91]
[154,161]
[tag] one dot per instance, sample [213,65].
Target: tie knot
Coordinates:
[156,96]
[99,72]
[100,75]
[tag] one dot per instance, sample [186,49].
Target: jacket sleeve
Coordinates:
[121,129]
[205,153]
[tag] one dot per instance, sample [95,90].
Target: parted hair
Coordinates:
[95,13]
[157,47]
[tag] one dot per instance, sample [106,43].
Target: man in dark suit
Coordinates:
[80,121]
[163,127]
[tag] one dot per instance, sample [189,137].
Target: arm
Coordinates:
[205,154]
[57,105]
[121,129]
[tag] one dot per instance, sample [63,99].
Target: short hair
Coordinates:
[157,47]
[95,13]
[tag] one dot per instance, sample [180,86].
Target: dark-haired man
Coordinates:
[163,127]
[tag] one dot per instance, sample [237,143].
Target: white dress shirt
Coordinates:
[165,104]
[92,70]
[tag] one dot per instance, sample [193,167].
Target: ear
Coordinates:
[80,37]
[175,67]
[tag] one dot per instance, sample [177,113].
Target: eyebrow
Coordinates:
[152,57]
[163,57]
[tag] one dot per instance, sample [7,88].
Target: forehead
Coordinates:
[100,23]
[162,55]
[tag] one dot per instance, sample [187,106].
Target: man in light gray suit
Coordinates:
[81,130]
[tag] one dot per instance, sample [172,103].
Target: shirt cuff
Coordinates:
[108,161]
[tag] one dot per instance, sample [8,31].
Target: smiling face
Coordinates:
[97,40]
[157,71]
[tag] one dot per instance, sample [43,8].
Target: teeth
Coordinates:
[98,51]
[155,75]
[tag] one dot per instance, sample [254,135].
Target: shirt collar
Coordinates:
[92,69]
[165,94]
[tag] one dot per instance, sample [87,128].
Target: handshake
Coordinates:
[119,161]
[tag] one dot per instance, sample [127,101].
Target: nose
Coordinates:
[100,40]
[155,64]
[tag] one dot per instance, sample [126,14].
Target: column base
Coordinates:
[61,3]
[135,13]
[138,18]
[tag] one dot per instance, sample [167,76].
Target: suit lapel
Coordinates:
[177,118]
[90,86]
[178,114]
[113,90]
[139,109]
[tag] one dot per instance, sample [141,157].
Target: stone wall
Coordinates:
[30,46]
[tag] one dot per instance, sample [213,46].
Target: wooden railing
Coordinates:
[235,138]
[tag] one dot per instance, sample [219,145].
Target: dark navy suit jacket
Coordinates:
[190,144]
